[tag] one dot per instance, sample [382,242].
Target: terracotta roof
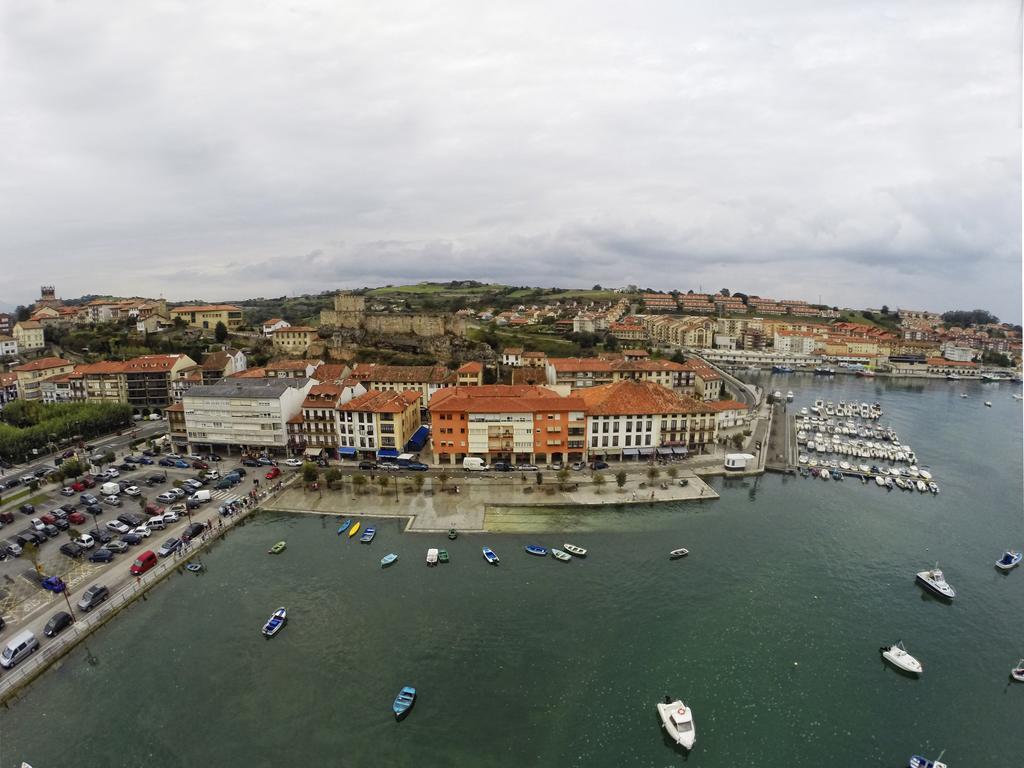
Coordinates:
[471,367]
[249,373]
[29,324]
[534,354]
[329,372]
[216,361]
[387,401]
[935,361]
[636,352]
[273,321]
[503,398]
[290,365]
[8,379]
[152,363]
[175,407]
[42,364]
[102,367]
[622,398]
[405,374]
[207,308]
[513,351]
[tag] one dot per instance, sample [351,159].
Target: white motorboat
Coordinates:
[789,396]
[934,581]
[988,403]
[926,474]
[1017,673]
[879,481]
[897,656]
[922,487]
[432,556]
[677,720]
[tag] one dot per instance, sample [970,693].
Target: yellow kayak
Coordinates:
[352,531]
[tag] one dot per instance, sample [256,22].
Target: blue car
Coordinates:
[182,464]
[417,466]
[166,462]
[145,460]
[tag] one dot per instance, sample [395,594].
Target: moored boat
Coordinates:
[575,551]
[453,534]
[1009,560]
[344,527]
[534,549]
[277,549]
[916,761]
[442,555]
[675,554]
[558,554]
[403,702]
[935,581]
[490,556]
[432,556]
[988,403]
[368,535]
[388,559]
[898,656]
[275,622]
[354,529]
[677,720]
[1017,673]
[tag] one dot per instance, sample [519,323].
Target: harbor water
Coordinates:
[770,629]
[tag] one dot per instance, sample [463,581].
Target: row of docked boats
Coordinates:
[843,409]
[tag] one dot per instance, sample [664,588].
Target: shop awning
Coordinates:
[313,451]
[681,451]
[387,453]
[664,451]
[646,451]
[630,452]
[418,440]
[346,451]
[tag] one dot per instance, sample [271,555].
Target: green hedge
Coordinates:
[31,424]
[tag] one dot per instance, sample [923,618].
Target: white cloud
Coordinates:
[864,152]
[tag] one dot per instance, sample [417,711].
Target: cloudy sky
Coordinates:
[861,152]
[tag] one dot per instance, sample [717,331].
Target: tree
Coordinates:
[72,468]
[598,479]
[672,472]
[620,478]
[358,481]
[737,441]
[885,309]
[611,344]
[32,550]
[678,357]
[220,332]
[563,475]
[597,288]
[108,457]
[309,472]
[22,313]
[724,292]
[333,476]
[652,473]
[442,478]
[417,482]
[382,483]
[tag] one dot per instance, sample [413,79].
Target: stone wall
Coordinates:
[350,312]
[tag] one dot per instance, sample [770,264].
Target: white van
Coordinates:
[157,523]
[18,648]
[110,489]
[201,496]
[473,464]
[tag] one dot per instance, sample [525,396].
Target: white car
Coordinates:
[293,462]
[213,474]
[178,509]
[133,490]
[117,526]
[143,531]
[85,541]
[112,473]
[171,517]
[38,524]
[167,497]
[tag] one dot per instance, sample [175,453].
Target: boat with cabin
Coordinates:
[935,582]
[916,761]
[781,369]
[898,656]
[677,720]
[452,534]
[789,396]
[274,624]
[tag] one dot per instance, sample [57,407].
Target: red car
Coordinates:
[88,482]
[48,519]
[197,464]
[274,472]
[78,487]
[76,518]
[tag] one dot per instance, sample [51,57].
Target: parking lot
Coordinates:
[26,604]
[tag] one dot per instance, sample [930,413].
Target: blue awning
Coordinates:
[346,451]
[387,453]
[418,440]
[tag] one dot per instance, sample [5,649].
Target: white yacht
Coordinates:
[789,396]
[897,656]
[934,581]
[677,720]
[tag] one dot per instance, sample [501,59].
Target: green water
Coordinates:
[769,630]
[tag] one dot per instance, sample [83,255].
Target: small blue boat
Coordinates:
[388,559]
[368,535]
[274,623]
[344,527]
[533,549]
[403,702]
[923,762]
[1010,559]
[490,556]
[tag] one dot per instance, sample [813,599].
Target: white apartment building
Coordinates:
[247,414]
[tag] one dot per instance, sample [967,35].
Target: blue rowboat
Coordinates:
[344,527]
[403,702]
[1009,560]
[490,556]
[917,761]
[534,549]
[368,535]
[274,623]
[388,559]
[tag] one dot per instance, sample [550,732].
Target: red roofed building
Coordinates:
[470,374]
[31,374]
[148,379]
[498,422]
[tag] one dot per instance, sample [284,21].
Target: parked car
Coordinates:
[181,464]
[126,467]
[67,490]
[167,461]
[123,484]
[556,466]
[599,464]
[293,462]
[117,526]
[13,482]
[195,485]
[88,482]
[169,547]
[59,621]
[72,550]
[130,460]
[101,555]
[526,467]
[148,452]
[240,471]
[61,524]
[213,474]
[388,466]
[145,461]
[213,457]
[94,509]
[76,518]
[501,466]
[85,541]
[51,531]
[93,596]
[131,519]
[37,524]
[274,472]
[133,490]
[250,462]
[48,518]
[178,509]
[192,531]
[12,548]
[157,477]
[88,498]
[70,452]
[265,461]
[142,530]
[367,464]
[143,563]
[170,517]
[578,466]
[114,501]
[179,493]
[111,473]
[226,482]
[131,539]
[78,486]
[166,497]
[118,546]
[27,509]
[101,535]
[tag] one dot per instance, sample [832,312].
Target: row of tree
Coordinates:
[30,424]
